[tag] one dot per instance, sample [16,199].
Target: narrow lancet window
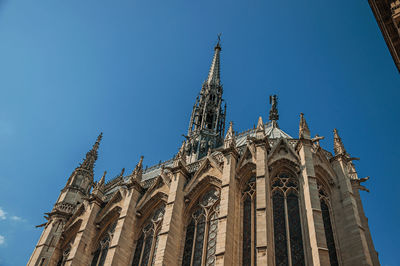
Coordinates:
[249,223]
[288,238]
[326,217]
[100,254]
[201,232]
[146,245]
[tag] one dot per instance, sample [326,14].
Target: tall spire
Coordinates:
[91,156]
[338,146]
[207,122]
[214,73]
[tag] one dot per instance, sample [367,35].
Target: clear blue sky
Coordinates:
[132,69]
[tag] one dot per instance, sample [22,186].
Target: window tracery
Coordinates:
[326,217]
[287,225]
[249,223]
[100,254]
[201,232]
[146,246]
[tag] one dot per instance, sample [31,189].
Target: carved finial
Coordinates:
[230,139]
[103,178]
[98,188]
[138,171]
[260,130]
[180,156]
[304,131]
[260,124]
[338,146]
[273,113]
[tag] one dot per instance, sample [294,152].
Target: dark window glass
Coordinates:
[281,252]
[330,241]
[246,232]
[138,251]
[187,253]
[296,241]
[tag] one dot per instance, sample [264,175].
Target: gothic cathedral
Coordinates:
[258,197]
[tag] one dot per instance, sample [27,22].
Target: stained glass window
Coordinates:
[100,254]
[287,224]
[146,245]
[326,217]
[249,223]
[203,219]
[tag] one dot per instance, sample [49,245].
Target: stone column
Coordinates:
[121,250]
[225,251]
[353,243]
[364,222]
[81,251]
[264,236]
[46,246]
[312,207]
[169,245]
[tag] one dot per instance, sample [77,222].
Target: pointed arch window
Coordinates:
[65,254]
[288,238]
[100,254]
[201,232]
[326,217]
[146,246]
[249,223]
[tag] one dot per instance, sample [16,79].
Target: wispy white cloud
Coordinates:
[2,214]
[2,240]
[16,218]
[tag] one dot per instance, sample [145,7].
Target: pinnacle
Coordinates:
[230,132]
[304,131]
[260,124]
[338,146]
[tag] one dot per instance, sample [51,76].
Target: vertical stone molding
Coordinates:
[225,253]
[170,238]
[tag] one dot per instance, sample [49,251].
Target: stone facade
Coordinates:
[387,14]
[259,197]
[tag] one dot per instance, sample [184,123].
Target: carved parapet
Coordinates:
[63,208]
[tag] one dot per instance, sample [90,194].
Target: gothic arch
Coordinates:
[245,172]
[102,243]
[105,221]
[201,225]
[324,177]
[147,233]
[284,164]
[208,167]
[287,213]
[147,209]
[197,189]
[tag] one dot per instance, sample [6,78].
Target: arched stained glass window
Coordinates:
[201,232]
[326,217]
[249,223]
[100,254]
[287,225]
[146,245]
